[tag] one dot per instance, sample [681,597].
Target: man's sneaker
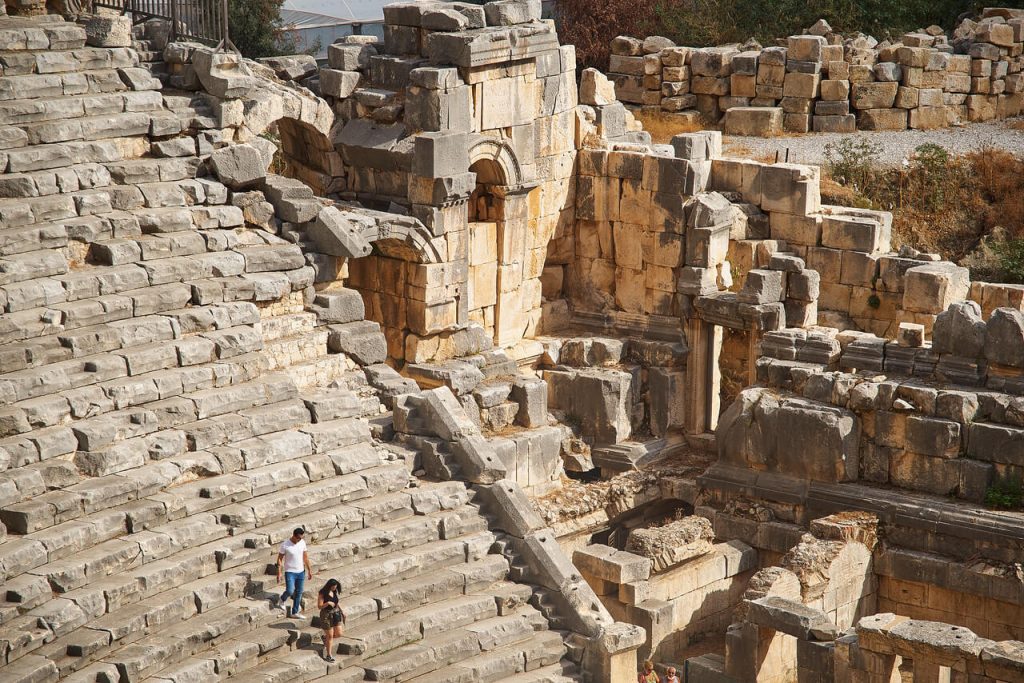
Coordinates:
[329,659]
[298,615]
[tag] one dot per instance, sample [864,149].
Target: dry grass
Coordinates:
[738,149]
[948,207]
[1015,124]
[662,125]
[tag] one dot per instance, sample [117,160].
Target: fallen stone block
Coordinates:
[933,287]
[222,74]
[339,306]
[960,330]
[608,564]
[239,166]
[531,395]
[339,234]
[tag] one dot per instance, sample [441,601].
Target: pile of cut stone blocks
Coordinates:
[635,66]
[825,83]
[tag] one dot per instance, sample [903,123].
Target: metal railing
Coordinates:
[205,21]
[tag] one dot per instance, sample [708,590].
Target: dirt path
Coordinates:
[896,145]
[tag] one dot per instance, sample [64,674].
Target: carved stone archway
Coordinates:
[498,217]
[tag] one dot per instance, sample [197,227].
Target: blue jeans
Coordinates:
[294,582]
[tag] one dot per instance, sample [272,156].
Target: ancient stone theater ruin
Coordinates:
[547,399]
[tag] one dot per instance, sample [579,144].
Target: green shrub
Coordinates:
[852,162]
[1011,260]
[932,175]
[1006,494]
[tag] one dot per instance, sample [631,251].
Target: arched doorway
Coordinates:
[486,213]
[502,295]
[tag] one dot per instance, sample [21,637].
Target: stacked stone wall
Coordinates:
[820,82]
[949,426]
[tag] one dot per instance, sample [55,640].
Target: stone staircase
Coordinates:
[170,410]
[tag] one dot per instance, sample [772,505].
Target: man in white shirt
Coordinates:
[293,562]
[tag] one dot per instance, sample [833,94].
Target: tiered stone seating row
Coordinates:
[169,412]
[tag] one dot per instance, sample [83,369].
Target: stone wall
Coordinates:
[913,433]
[825,83]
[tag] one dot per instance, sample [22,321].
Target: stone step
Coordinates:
[532,660]
[29,238]
[260,655]
[52,62]
[335,491]
[23,34]
[104,379]
[32,265]
[447,646]
[126,625]
[100,127]
[160,543]
[65,76]
[173,644]
[59,155]
[398,630]
[77,329]
[51,182]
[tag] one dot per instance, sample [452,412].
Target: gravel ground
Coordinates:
[896,145]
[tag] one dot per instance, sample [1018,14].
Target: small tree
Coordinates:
[256,28]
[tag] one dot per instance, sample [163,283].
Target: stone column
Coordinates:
[698,376]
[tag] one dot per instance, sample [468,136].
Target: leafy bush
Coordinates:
[1006,494]
[256,28]
[1011,260]
[933,173]
[852,161]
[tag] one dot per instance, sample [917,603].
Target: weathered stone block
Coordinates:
[789,435]
[932,287]
[758,121]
